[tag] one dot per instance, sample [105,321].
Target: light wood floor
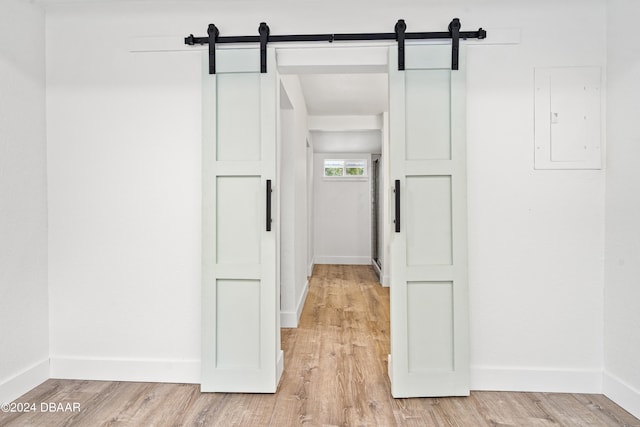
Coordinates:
[335,375]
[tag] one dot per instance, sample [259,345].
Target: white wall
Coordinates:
[124,188]
[124,201]
[294,205]
[622,256]
[310,208]
[24,342]
[535,237]
[342,217]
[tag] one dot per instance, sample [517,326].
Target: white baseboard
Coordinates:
[288,319]
[280,367]
[291,319]
[386,280]
[536,380]
[144,370]
[301,301]
[16,386]
[343,260]
[310,267]
[622,393]
[376,267]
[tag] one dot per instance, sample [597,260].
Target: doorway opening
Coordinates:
[333,110]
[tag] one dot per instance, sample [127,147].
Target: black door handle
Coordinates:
[269,205]
[397,191]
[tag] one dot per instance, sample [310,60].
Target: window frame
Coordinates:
[344,166]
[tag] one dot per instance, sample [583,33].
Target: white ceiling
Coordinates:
[345,94]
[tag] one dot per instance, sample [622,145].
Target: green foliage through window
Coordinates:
[350,168]
[333,171]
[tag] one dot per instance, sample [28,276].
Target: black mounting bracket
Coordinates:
[264,31]
[454,29]
[213,36]
[399,34]
[400,28]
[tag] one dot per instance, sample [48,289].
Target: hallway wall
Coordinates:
[342,216]
[294,217]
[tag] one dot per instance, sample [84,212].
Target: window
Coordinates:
[340,168]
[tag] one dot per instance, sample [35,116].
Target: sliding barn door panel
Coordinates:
[238,231]
[429,308]
[238,117]
[240,337]
[428,216]
[430,349]
[429,97]
[238,324]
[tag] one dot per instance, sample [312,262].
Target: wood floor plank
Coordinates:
[335,375]
[205,409]
[606,410]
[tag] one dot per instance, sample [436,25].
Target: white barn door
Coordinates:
[429,308]
[240,334]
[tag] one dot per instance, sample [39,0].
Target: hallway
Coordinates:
[335,361]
